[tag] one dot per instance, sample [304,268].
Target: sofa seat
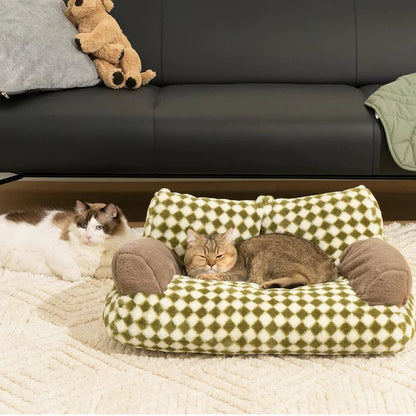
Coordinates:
[213,130]
[80,131]
[270,129]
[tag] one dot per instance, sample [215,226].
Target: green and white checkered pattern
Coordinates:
[240,318]
[333,220]
[170,214]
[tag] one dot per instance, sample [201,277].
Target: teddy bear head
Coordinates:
[84,8]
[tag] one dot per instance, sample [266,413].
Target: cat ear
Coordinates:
[192,236]
[81,206]
[111,210]
[228,235]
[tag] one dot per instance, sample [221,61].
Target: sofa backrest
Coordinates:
[354,42]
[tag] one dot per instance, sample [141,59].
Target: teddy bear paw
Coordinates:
[84,43]
[133,81]
[112,53]
[118,80]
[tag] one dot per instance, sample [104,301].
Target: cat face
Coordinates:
[210,254]
[97,222]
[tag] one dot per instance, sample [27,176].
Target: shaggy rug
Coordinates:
[55,357]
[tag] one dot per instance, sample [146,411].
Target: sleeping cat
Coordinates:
[271,260]
[68,244]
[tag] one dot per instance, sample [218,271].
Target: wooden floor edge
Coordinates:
[397,198]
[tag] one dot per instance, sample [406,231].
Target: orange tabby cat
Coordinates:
[271,260]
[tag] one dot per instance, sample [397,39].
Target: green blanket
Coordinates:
[395,105]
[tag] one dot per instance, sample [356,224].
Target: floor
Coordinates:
[56,357]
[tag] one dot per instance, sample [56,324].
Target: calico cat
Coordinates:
[71,244]
[271,260]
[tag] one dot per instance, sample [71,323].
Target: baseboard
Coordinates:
[397,198]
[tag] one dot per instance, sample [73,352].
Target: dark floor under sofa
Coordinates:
[256,89]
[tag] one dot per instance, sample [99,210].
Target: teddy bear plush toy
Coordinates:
[100,36]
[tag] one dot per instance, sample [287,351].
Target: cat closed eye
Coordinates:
[220,256]
[202,257]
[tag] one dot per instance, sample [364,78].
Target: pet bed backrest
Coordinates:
[332,220]
[303,41]
[171,214]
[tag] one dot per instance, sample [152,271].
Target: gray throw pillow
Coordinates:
[37,48]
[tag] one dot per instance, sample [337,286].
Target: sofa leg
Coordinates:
[7,177]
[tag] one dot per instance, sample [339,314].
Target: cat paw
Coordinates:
[103,273]
[210,276]
[72,275]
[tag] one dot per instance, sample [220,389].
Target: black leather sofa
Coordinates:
[245,88]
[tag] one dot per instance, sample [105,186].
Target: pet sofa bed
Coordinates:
[243,89]
[154,306]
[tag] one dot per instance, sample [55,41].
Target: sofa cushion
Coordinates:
[141,21]
[263,129]
[305,41]
[79,131]
[385,28]
[377,272]
[240,318]
[171,214]
[333,220]
[38,50]
[258,41]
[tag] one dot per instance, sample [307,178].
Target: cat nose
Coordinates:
[211,262]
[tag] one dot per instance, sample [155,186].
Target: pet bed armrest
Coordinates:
[144,265]
[377,272]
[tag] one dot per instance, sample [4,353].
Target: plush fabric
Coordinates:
[395,105]
[333,220]
[145,265]
[100,36]
[240,318]
[170,214]
[38,50]
[377,272]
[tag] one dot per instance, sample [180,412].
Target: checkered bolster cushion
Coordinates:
[170,214]
[239,318]
[333,220]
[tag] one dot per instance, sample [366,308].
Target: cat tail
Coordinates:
[286,282]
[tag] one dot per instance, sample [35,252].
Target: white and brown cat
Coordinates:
[271,260]
[69,244]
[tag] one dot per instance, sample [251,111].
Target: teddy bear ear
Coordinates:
[108,5]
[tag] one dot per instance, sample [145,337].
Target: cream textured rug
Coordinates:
[55,357]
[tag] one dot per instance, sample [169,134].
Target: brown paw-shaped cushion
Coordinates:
[377,272]
[145,265]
